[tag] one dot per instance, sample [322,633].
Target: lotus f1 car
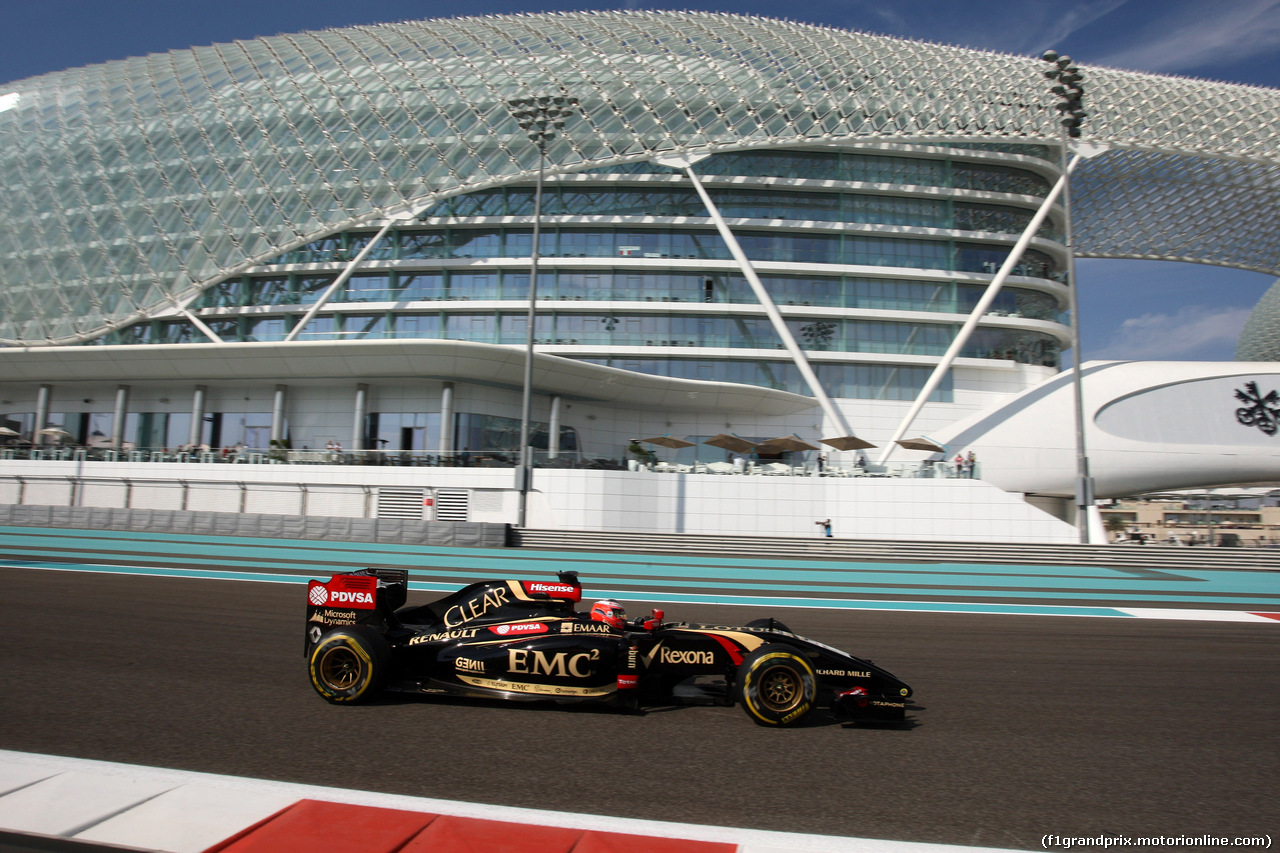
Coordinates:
[524,640]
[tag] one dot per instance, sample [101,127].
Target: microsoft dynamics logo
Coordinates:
[1260,411]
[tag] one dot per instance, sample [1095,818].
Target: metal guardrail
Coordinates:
[318,528]
[1144,557]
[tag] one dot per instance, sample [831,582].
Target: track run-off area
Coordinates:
[1247,595]
[153,650]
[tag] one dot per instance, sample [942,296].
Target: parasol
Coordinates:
[921,443]
[790,443]
[733,443]
[668,441]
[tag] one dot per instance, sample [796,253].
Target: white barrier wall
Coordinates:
[955,510]
[154,495]
[102,493]
[52,492]
[213,497]
[859,508]
[274,499]
[349,502]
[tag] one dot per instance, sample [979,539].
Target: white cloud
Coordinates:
[1194,333]
[1202,34]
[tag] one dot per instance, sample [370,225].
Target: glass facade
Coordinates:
[805,246]
[609,237]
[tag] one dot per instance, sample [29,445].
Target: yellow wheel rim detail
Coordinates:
[780,689]
[340,668]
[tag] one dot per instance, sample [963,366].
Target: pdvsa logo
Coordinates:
[355,592]
[519,629]
[351,598]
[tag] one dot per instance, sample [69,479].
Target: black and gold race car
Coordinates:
[524,640]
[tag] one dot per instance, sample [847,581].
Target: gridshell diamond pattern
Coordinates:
[134,185]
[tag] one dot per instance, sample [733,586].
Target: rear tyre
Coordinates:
[776,686]
[348,665]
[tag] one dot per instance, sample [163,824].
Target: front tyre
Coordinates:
[348,665]
[776,686]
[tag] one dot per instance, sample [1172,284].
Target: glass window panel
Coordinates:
[412,287]
[250,430]
[359,326]
[417,326]
[425,245]
[264,329]
[308,288]
[473,286]
[321,327]
[269,291]
[375,287]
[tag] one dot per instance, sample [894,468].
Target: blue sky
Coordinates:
[1129,309]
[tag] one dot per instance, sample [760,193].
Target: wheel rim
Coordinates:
[780,689]
[340,668]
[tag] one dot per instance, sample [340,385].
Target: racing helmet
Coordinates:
[609,612]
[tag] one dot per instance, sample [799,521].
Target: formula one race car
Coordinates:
[523,640]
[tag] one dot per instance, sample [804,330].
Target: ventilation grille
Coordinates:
[400,503]
[453,504]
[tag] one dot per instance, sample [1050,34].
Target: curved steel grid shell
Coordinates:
[1260,337]
[133,185]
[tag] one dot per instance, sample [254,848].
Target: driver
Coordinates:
[609,612]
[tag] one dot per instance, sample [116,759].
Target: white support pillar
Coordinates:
[277,414]
[962,337]
[339,281]
[357,423]
[446,419]
[118,419]
[553,429]
[199,324]
[748,271]
[197,416]
[42,414]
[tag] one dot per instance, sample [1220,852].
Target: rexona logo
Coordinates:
[519,629]
[676,656]
[556,590]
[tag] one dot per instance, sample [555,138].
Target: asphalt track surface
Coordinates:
[1024,725]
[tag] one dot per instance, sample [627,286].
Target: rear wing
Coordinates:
[364,597]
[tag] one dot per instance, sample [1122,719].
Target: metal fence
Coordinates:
[456,534]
